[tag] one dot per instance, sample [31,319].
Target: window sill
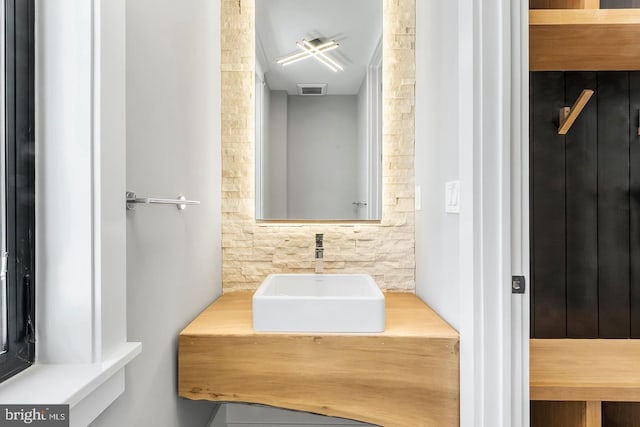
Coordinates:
[68,383]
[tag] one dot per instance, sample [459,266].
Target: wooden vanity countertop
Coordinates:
[406,316]
[407,375]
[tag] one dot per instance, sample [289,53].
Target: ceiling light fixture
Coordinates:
[317,57]
[295,57]
[315,49]
[320,54]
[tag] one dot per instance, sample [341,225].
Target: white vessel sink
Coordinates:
[318,303]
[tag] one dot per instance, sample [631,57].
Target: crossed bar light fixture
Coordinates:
[313,49]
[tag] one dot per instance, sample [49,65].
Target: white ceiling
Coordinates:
[355,24]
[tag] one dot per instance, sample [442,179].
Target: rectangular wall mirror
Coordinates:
[318,110]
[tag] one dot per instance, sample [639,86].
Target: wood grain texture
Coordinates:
[564,4]
[566,414]
[621,414]
[584,370]
[587,17]
[575,110]
[558,414]
[593,414]
[584,40]
[405,376]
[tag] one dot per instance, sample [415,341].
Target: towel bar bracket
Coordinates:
[181,202]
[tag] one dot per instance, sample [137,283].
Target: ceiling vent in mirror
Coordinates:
[312,89]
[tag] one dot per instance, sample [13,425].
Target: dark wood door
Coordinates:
[585,207]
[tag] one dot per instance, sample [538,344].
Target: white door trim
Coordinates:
[494,209]
[520,311]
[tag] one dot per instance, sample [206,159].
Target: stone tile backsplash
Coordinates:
[251,250]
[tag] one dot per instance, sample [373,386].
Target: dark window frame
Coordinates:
[20,182]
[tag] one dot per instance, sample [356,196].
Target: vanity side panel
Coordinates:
[376,379]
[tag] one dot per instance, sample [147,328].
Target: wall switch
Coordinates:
[452,197]
[418,198]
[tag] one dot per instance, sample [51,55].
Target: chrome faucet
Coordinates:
[319,253]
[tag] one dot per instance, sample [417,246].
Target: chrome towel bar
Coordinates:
[180,202]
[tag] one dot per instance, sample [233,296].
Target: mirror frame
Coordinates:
[385,249]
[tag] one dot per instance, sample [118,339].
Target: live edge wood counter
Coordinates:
[406,376]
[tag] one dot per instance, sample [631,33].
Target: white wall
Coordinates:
[239,415]
[437,151]
[439,131]
[173,147]
[275,156]
[322,147]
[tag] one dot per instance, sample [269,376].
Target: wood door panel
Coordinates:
[582,211]
[549,306]
[634,202]
[613,204]
[621,414]
[585,207]
[557,414]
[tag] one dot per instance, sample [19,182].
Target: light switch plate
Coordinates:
[452,197]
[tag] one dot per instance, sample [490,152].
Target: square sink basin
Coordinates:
[318,303]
